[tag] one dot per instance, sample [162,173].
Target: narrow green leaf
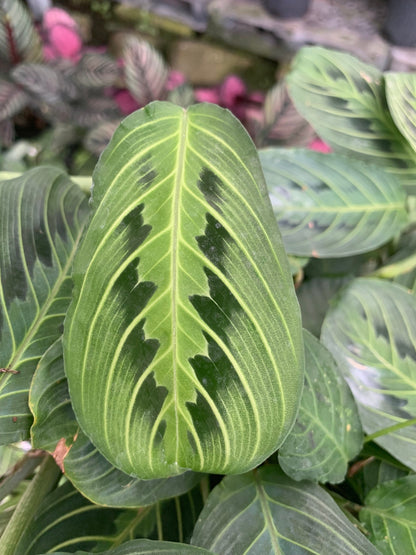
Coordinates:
[390,516]
[327,433]
[41,215]
[267,512]
[56,430]
[141,547]
[370,329]
[401,98]
[344,101]
[184,334]
[328,205]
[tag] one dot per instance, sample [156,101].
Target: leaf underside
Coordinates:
[183,345]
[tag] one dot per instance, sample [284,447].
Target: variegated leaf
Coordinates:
[145,71]
[41,217]
[401,98]
[39,80]
[95,71]
[12,99]
[19,40]
[183,346]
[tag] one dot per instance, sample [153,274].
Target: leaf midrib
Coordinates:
[174,265]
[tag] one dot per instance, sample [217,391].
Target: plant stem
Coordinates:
[390,429]
[21,471]
[44,481]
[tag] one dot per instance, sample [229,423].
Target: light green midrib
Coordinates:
[174,265]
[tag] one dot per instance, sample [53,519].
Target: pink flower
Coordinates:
[207,95]
[61,34]
[231,91]
[175,79]
[125,102]
[319,146]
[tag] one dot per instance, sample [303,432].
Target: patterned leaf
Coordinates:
[95,71]
[142,547]
[19,40]
[327,432]
[56,430]
[184,335]
[98,138]
[42,81]
[267,512]
[145,71]
[41,215]
[12,99]
[6,132]
[282,125]
[344,101]
[329,205]
[390,516]
[95,110]
[401,98]
[370,329]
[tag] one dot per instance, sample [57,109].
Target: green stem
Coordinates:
[390,429]
[21,471]
[44,481]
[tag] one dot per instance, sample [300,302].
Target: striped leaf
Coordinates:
[328,205]
[267,512]
[56,430]
[41,216]
[98,138]
[184,335]
[401,98]
[95,71]
[327,433]
[344,101]
[145,71]
[12,99]
[19,40]
[389,515]
[39,80]
[370,329]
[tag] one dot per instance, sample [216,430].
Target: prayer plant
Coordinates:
[151,338]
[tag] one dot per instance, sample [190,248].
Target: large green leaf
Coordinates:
[344,101]
[390,516]
[41,219]
[141,547]
[327,432]
[401,98]
[267,512]
[56,430]
[328,205]
[183,345]
[371,329]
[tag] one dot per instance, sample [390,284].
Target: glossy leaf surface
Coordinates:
[370,330]
[184,334]
[390,516]
[267,512]
[344,101]
[401,98]
[56,430]
[328,205]
[327,432]
[41,214]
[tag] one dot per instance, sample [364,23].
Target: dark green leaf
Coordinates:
[328,205]
[327,433]
[344,101]
[267,512]
[370,330]
[141,547]
[41,214]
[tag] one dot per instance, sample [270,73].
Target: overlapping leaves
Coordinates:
[344,101]
[184,334]
[371,329]
[328,205]
[401,98]
[42,215]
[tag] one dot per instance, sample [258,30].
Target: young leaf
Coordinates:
[56,430]
[401,98]
[42,214]
[390,516]
[145,72]
[267,512]
[370,329]
[183,346]
[344,101]
[328,205]
[327,432]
